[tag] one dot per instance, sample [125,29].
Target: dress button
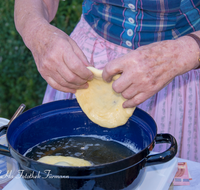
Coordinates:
[131,6]
[130,32]
[131,20]
[128,43]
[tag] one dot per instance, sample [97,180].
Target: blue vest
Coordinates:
[133,23]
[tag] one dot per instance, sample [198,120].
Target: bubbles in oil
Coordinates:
[96,150]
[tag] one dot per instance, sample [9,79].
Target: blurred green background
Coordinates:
[20,82]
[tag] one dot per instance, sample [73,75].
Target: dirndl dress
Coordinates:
[175,108]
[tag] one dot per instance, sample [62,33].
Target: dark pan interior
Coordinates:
[65,118]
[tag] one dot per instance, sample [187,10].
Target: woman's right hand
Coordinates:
[59,59]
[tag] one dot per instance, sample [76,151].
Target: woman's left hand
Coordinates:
[149,68]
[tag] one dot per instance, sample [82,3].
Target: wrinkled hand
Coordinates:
[147,70]
[59,60]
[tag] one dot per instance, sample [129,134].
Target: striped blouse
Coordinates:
[133,23]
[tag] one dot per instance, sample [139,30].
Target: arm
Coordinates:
[27,12]
[58,58]
[149,68]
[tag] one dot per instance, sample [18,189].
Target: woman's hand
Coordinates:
[59,60]
[149,68]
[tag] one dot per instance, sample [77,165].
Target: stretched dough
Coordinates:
[64,161]
[101,103]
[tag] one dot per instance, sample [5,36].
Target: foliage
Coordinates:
[20,82]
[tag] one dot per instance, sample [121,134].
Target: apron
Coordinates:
[175,109]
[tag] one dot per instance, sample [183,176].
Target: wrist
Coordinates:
[31,30]
[190,52]
[197,40]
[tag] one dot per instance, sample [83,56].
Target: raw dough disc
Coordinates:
[67,161]
[101,103]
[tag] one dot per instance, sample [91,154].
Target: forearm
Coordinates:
[29,14]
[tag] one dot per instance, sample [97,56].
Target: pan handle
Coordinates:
[4,151]
[163,157]
[19,111]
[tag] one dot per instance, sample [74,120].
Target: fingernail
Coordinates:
[91,77]
[86,86]
[108,80]
[126,105]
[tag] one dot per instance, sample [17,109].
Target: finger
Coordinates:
[130,92]
[113,68]
[60,73]
[59,80]
[57,86]
[79,52]
[76,66]
[121,84]
[133,102]
[69,77]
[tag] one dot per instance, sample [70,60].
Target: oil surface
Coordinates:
[92,149]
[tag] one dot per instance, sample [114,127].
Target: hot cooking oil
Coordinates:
[96,150]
